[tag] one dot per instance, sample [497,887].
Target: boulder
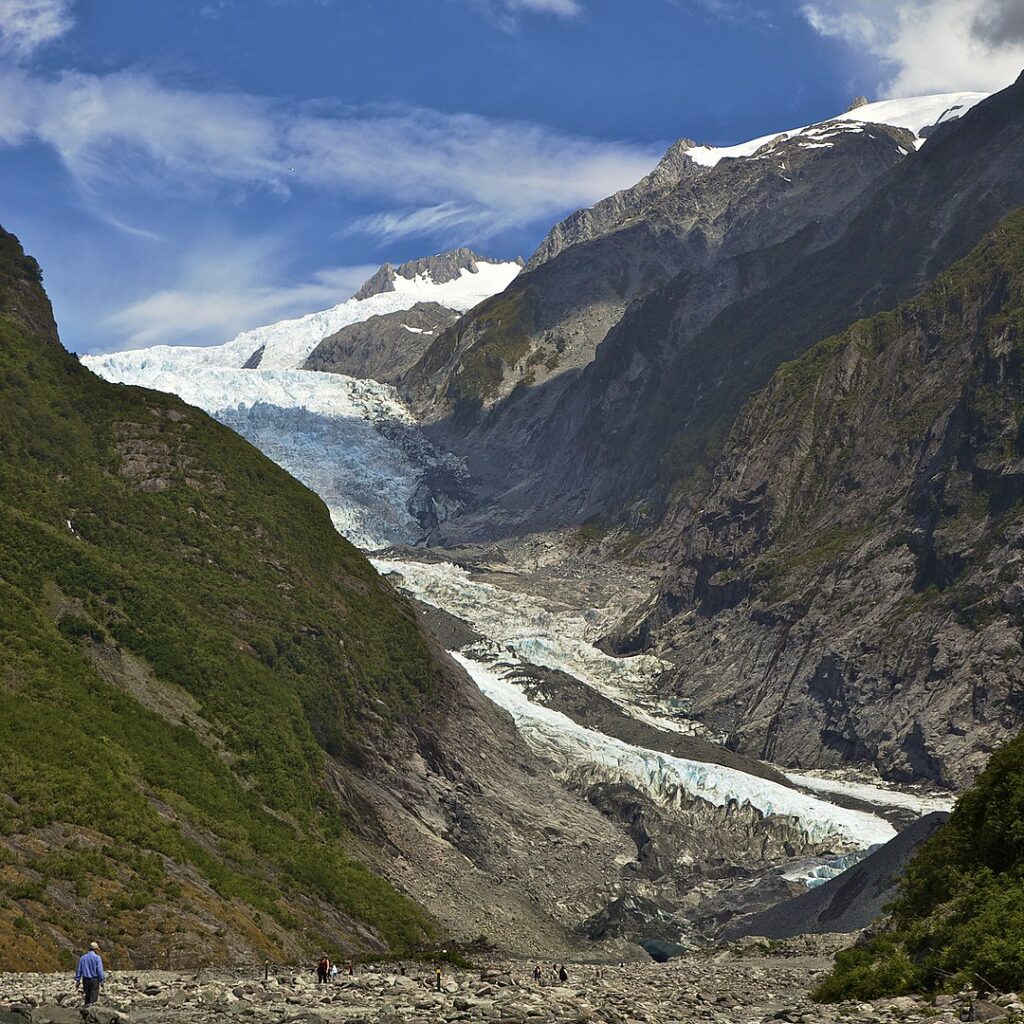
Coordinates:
[51,1014]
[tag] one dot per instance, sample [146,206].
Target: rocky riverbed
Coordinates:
[744,984]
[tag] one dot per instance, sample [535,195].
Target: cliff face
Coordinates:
[616,437]
[849,584]
[684,219]
[384,347]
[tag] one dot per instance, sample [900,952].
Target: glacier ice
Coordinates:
[670,780]
[530,632]
[286,344]
[352,441]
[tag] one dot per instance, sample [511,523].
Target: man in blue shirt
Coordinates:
[90,973]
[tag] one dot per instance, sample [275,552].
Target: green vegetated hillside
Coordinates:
[959,917]
[190,659]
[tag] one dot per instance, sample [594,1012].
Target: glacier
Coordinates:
[287,344]
[529,632]
[351,441]
[666,779]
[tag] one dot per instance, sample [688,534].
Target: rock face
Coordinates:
[516,353]
[612,213]
[383,347]
[856,229]
[850,901]
[847,585]
[444,267]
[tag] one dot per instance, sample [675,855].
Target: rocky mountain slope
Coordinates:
[383,347]
[851,901]
[222,731]
[685,218]
[665,384]
[518,377]
[847,586]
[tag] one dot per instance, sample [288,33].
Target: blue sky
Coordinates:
[184,170]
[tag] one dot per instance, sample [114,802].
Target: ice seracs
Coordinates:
[667,779]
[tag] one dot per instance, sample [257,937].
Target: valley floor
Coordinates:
[741,984]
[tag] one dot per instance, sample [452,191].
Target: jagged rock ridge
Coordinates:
[440,269]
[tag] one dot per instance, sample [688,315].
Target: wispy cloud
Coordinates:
[507,14]
[129,132]
[930,45]
[563,8]
[26,25]
[425,220]
[223,288]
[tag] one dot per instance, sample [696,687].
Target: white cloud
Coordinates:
[930,45]
[507,14]
[564,8]
[26,25]
[424,220]
[128,132]
[223,289]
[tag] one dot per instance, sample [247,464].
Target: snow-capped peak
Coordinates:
[448,280]
[918,115]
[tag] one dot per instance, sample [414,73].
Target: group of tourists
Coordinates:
[89,974]
[561,975]
[328,971]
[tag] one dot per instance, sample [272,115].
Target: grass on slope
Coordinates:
[134,527]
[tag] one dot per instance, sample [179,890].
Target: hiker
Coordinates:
[323,969]
[351,968]
[437,978]
[334,971]
[536,972]
[563,974]
[89,974]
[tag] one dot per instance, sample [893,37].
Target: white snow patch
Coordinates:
[916,114]
[665,778]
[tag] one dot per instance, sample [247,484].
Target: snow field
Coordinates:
[288,343]
[916,114]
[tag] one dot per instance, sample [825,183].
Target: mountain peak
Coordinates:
[439,269]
